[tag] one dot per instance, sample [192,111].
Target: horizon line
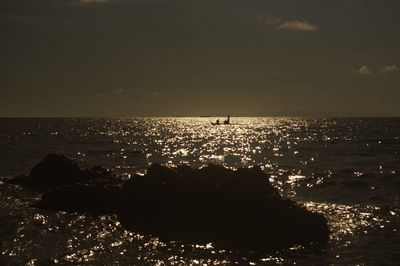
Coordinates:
[201,116]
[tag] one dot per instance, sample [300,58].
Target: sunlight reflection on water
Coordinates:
[329,165]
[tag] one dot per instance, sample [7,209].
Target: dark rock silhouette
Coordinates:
[82,198]
[57,170]
[236,209]
[233,209]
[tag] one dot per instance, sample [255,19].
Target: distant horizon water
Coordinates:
[209,116]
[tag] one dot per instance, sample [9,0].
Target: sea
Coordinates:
[348,169]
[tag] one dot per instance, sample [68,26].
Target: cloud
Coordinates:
[364,70]
[89,2]
[294,25]
[297,25]
[270,21]
[110,93]
[389,69]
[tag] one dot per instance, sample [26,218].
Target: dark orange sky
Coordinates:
[195,57]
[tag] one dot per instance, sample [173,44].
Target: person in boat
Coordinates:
[228,120]
[217,122]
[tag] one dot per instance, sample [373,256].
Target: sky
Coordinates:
[125,58]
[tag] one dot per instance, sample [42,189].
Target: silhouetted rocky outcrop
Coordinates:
[238,209]
[57,170]
[235,209]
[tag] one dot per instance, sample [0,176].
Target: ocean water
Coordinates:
[347,169]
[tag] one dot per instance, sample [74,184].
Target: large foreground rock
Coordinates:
[233,209]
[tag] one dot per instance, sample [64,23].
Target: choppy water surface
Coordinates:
[347,169]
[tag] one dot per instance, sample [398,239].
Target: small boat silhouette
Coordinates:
[226,122]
